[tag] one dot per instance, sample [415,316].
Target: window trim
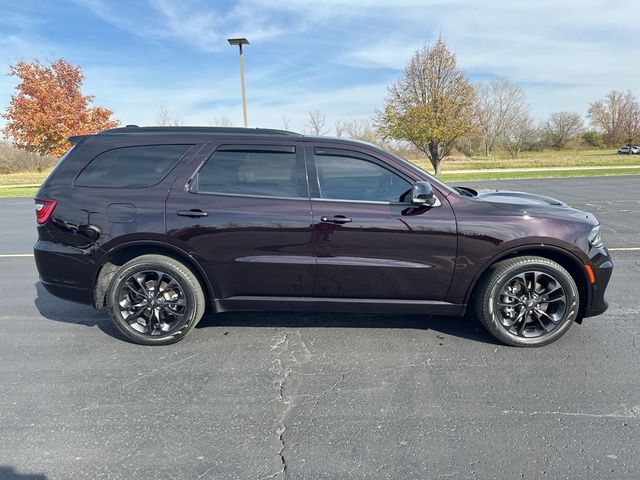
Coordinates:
[298,151]
[247,195]
[173,167]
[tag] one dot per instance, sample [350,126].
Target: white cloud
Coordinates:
[338,55]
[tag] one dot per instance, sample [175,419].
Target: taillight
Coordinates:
[44,209]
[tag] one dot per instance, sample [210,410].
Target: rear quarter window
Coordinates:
[139,166]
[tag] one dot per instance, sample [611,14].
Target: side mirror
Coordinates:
[422,194]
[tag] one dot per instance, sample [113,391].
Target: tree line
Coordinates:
[433,108]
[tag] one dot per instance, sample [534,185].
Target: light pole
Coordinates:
[240,42]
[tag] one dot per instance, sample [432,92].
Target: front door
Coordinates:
[371,243]
[246,217]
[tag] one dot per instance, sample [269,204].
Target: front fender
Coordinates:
[469,271]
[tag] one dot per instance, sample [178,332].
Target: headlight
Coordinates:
[594,237]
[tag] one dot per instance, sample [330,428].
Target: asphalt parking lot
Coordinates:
[272,395]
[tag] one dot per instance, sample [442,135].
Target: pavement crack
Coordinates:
[288,351]
[324,393]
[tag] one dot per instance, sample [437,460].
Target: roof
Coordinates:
[134,129]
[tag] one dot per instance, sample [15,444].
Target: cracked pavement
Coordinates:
[312,396]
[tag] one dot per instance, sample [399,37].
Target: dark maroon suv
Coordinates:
[159,224]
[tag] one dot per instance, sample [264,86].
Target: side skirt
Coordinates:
[356,305]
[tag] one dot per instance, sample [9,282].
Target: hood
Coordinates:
[517,198]
[527,203]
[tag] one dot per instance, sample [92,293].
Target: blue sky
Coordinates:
[337,56]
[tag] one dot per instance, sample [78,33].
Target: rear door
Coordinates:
[371,243]
[245,214]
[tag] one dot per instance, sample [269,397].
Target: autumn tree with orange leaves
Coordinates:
[48,106]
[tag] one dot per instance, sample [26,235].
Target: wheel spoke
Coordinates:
[530,283]
[515,299]
[548,291]
[141,282]
[518,319]
[154,322]
[133,290]
[160,275]
[553,300]
[136,315]
[549,326]
[503,304]
[545,314]
[523,324]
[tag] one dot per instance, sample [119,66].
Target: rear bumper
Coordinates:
[66,292]
[65,272]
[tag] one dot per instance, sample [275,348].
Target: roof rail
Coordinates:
[210,130]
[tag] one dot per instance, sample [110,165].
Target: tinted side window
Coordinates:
[261,173]
[140,166]
[350,178]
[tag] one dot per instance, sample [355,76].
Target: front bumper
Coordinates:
[602,267]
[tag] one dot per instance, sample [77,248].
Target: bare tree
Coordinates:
[361,129]
[285,122]
[163,119]
[520,134]
[563,127]
[499,103]
[317,123]
[431,106]
[630,122]
[223,121]
[607,114]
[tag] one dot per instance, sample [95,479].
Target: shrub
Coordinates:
[594,139]
[14,160]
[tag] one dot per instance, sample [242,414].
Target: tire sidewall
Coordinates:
[561,276]
[121,323]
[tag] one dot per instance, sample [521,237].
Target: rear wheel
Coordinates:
[527,301]
[155,300]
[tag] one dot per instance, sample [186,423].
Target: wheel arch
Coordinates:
[563,257]
[121,254]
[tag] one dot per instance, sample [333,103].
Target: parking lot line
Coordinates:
[8,255]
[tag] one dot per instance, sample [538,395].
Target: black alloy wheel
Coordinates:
[155,300]
[527,301]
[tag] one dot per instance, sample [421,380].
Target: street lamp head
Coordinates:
[238,41]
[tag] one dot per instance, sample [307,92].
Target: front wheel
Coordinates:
[527,301]
[155,300]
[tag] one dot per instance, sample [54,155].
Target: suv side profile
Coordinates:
[160,224]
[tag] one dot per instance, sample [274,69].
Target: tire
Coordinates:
[515,313]
[155,300]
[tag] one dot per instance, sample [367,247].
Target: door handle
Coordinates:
[193,213]
[339,219]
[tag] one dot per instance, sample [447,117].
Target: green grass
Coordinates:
[478,176]
[23,178]
[550,158]
[7,182]
[18,192]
